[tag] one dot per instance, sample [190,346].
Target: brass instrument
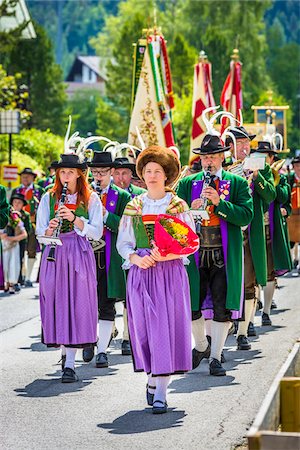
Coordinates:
[62,201]
[237,168]
[276,166]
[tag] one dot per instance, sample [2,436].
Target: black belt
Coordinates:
[210,237]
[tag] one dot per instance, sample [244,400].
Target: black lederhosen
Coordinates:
[106,305]
[212,273]
[270,261]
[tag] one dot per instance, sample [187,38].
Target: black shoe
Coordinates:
[17,287]
[149,397]
[69,376]
[273,305]
[126,350]
[159,407]
[259,305]
[101,360]
[88,354]
[243,343]
[198,356]
[265,320]
[28,283]
[216,369]
[251,330]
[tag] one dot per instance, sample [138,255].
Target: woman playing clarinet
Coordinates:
[68,285]
[158,296]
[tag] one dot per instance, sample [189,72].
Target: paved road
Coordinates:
[106,408]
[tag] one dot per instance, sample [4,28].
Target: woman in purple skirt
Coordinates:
[68,285]
[158,296]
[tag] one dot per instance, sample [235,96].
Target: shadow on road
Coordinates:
[143,421]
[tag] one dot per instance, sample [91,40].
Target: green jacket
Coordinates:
[116,287]
[263,194]
[4,207]
[135,190]
[234,211]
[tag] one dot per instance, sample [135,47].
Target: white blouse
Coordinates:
[126,242]
[93,226]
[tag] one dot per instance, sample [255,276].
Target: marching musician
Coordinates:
[68,285]
[33,194]
[261,184]
[110,276]
[216,271]
[158,298]
[294,219]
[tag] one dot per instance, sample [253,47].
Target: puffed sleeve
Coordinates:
[93,226]
[43,215]
[126,242]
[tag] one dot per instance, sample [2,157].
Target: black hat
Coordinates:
[296,160]
[265,147]
[52,166]
[28,171]
[210,144]
[18,196]
[102,159]
[239,133]
[124,163]
[69,162]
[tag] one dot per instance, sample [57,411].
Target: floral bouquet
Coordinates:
[171,235]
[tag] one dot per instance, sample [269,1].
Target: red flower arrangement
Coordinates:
[171,235]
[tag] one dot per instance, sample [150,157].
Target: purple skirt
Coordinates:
[159,317]
[68,293]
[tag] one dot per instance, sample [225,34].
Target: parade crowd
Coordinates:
[100,222]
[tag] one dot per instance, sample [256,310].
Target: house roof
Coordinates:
[93,62]
[21,15]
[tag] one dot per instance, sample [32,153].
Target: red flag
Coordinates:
[202,98]
[231,97]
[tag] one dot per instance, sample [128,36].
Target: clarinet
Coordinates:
[97,245]
[206,183]
[62,201]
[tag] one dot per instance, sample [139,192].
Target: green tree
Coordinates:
[182,59]
[82,107]
[34,60]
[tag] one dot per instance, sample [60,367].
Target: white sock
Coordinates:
[208,327]
[219,332]
[198,330]
[70,357]
[162,384]
[268,296]
[63,350]
[243,325]
[253,311]
[30,264]
[151,382]
[105,329]
[125,322]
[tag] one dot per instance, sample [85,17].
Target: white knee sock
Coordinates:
[125,322]
[208,327]
[151,382]
[253,311]
[243,325]
[219,332]
[105,329]
[268,296]
[30,264]
[198,330]
[162,384]
[70,357]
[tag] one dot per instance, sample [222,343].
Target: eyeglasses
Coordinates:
[102,173]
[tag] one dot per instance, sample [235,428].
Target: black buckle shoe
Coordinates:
[265,320]
[88,354]
[243,343]
[198,356]
[69,376]
[251,330]
[101,360]
[126,350]
[159,407]
[216,369]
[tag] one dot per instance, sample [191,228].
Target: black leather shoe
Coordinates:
[88,354]
[243,343]
[265,320]
[159,407]
[198,356]
[69,376]
[216,369]
[101,360]
[273,305]
[251,330]
[149,396]
[126,350]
